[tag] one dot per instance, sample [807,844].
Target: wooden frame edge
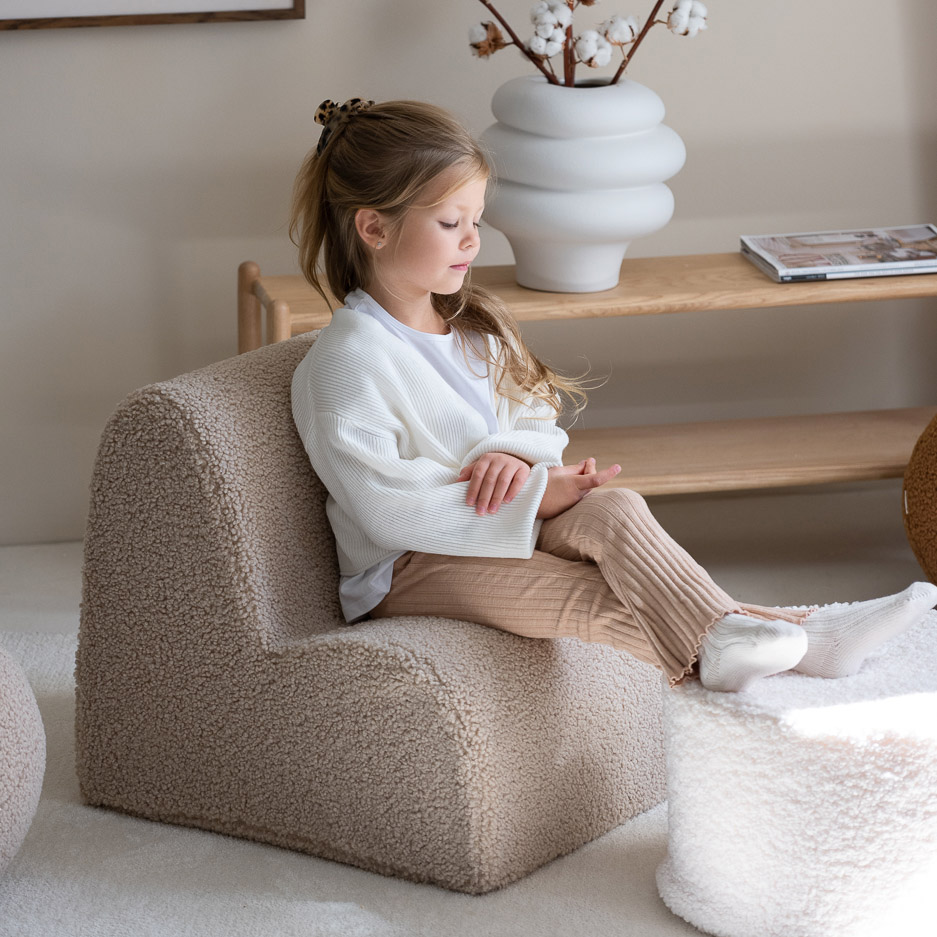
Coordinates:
[298,11]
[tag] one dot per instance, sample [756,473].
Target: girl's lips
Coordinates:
[462,267]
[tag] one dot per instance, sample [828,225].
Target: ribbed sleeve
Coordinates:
[389,504]
[544,448]
[388,438]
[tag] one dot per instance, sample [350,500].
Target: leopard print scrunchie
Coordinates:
[333,117]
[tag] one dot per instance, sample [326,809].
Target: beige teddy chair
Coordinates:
[218,687]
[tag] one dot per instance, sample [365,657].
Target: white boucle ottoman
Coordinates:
[22,757]
[805,807]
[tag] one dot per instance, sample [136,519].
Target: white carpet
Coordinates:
[86,872]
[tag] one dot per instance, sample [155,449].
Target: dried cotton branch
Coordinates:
[553,35]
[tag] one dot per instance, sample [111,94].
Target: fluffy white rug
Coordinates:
[85,872]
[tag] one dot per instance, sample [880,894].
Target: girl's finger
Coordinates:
[475,482]
[487,488]
[597,479]
[499,494]
[520,477]
[466,472]
[606,475]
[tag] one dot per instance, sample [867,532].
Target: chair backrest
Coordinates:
[204,508]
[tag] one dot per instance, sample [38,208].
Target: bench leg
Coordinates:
[249,333]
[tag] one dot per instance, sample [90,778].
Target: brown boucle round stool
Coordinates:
[22,757]
[920,500]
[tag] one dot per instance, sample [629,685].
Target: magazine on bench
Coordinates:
[830,255]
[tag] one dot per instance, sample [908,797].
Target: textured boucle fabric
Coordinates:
[920,500]
[218,687]
[22,757]
[805,807]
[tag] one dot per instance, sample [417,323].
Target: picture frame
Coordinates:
[56,14]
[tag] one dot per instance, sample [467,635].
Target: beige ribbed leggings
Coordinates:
[605,571]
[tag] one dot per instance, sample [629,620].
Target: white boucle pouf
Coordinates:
[804,807]
[22,758]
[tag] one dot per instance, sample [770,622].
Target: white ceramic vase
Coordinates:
[580,174]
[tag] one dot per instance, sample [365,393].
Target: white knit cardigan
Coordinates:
[388,437]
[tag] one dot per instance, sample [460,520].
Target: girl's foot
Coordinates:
[738,650]
[842,636]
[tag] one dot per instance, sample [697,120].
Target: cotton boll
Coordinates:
[544,29]
[554,43]
[587,45]
[562,13]
[486,39]
[687,18]
[693,26]
[551,15]
[594,50]
[620,30]
[678,19]
[537,45]
[603,55]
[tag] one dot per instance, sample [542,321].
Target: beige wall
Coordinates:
[140,165]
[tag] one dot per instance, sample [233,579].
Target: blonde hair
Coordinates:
[382,157]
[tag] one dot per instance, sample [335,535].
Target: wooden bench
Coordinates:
[686,457]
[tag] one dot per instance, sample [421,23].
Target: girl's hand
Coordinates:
[493,479]
[569,484]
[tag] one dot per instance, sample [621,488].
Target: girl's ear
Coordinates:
[370,226]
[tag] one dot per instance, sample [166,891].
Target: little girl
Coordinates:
[433,428]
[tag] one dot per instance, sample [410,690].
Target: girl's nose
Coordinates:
[471,238]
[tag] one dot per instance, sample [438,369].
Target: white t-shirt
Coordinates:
[466,372]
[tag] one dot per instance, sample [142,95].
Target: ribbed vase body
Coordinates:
[580,174]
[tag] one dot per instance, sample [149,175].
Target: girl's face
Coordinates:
[433,247]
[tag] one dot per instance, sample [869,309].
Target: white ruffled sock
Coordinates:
[738,650]
[840,637]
